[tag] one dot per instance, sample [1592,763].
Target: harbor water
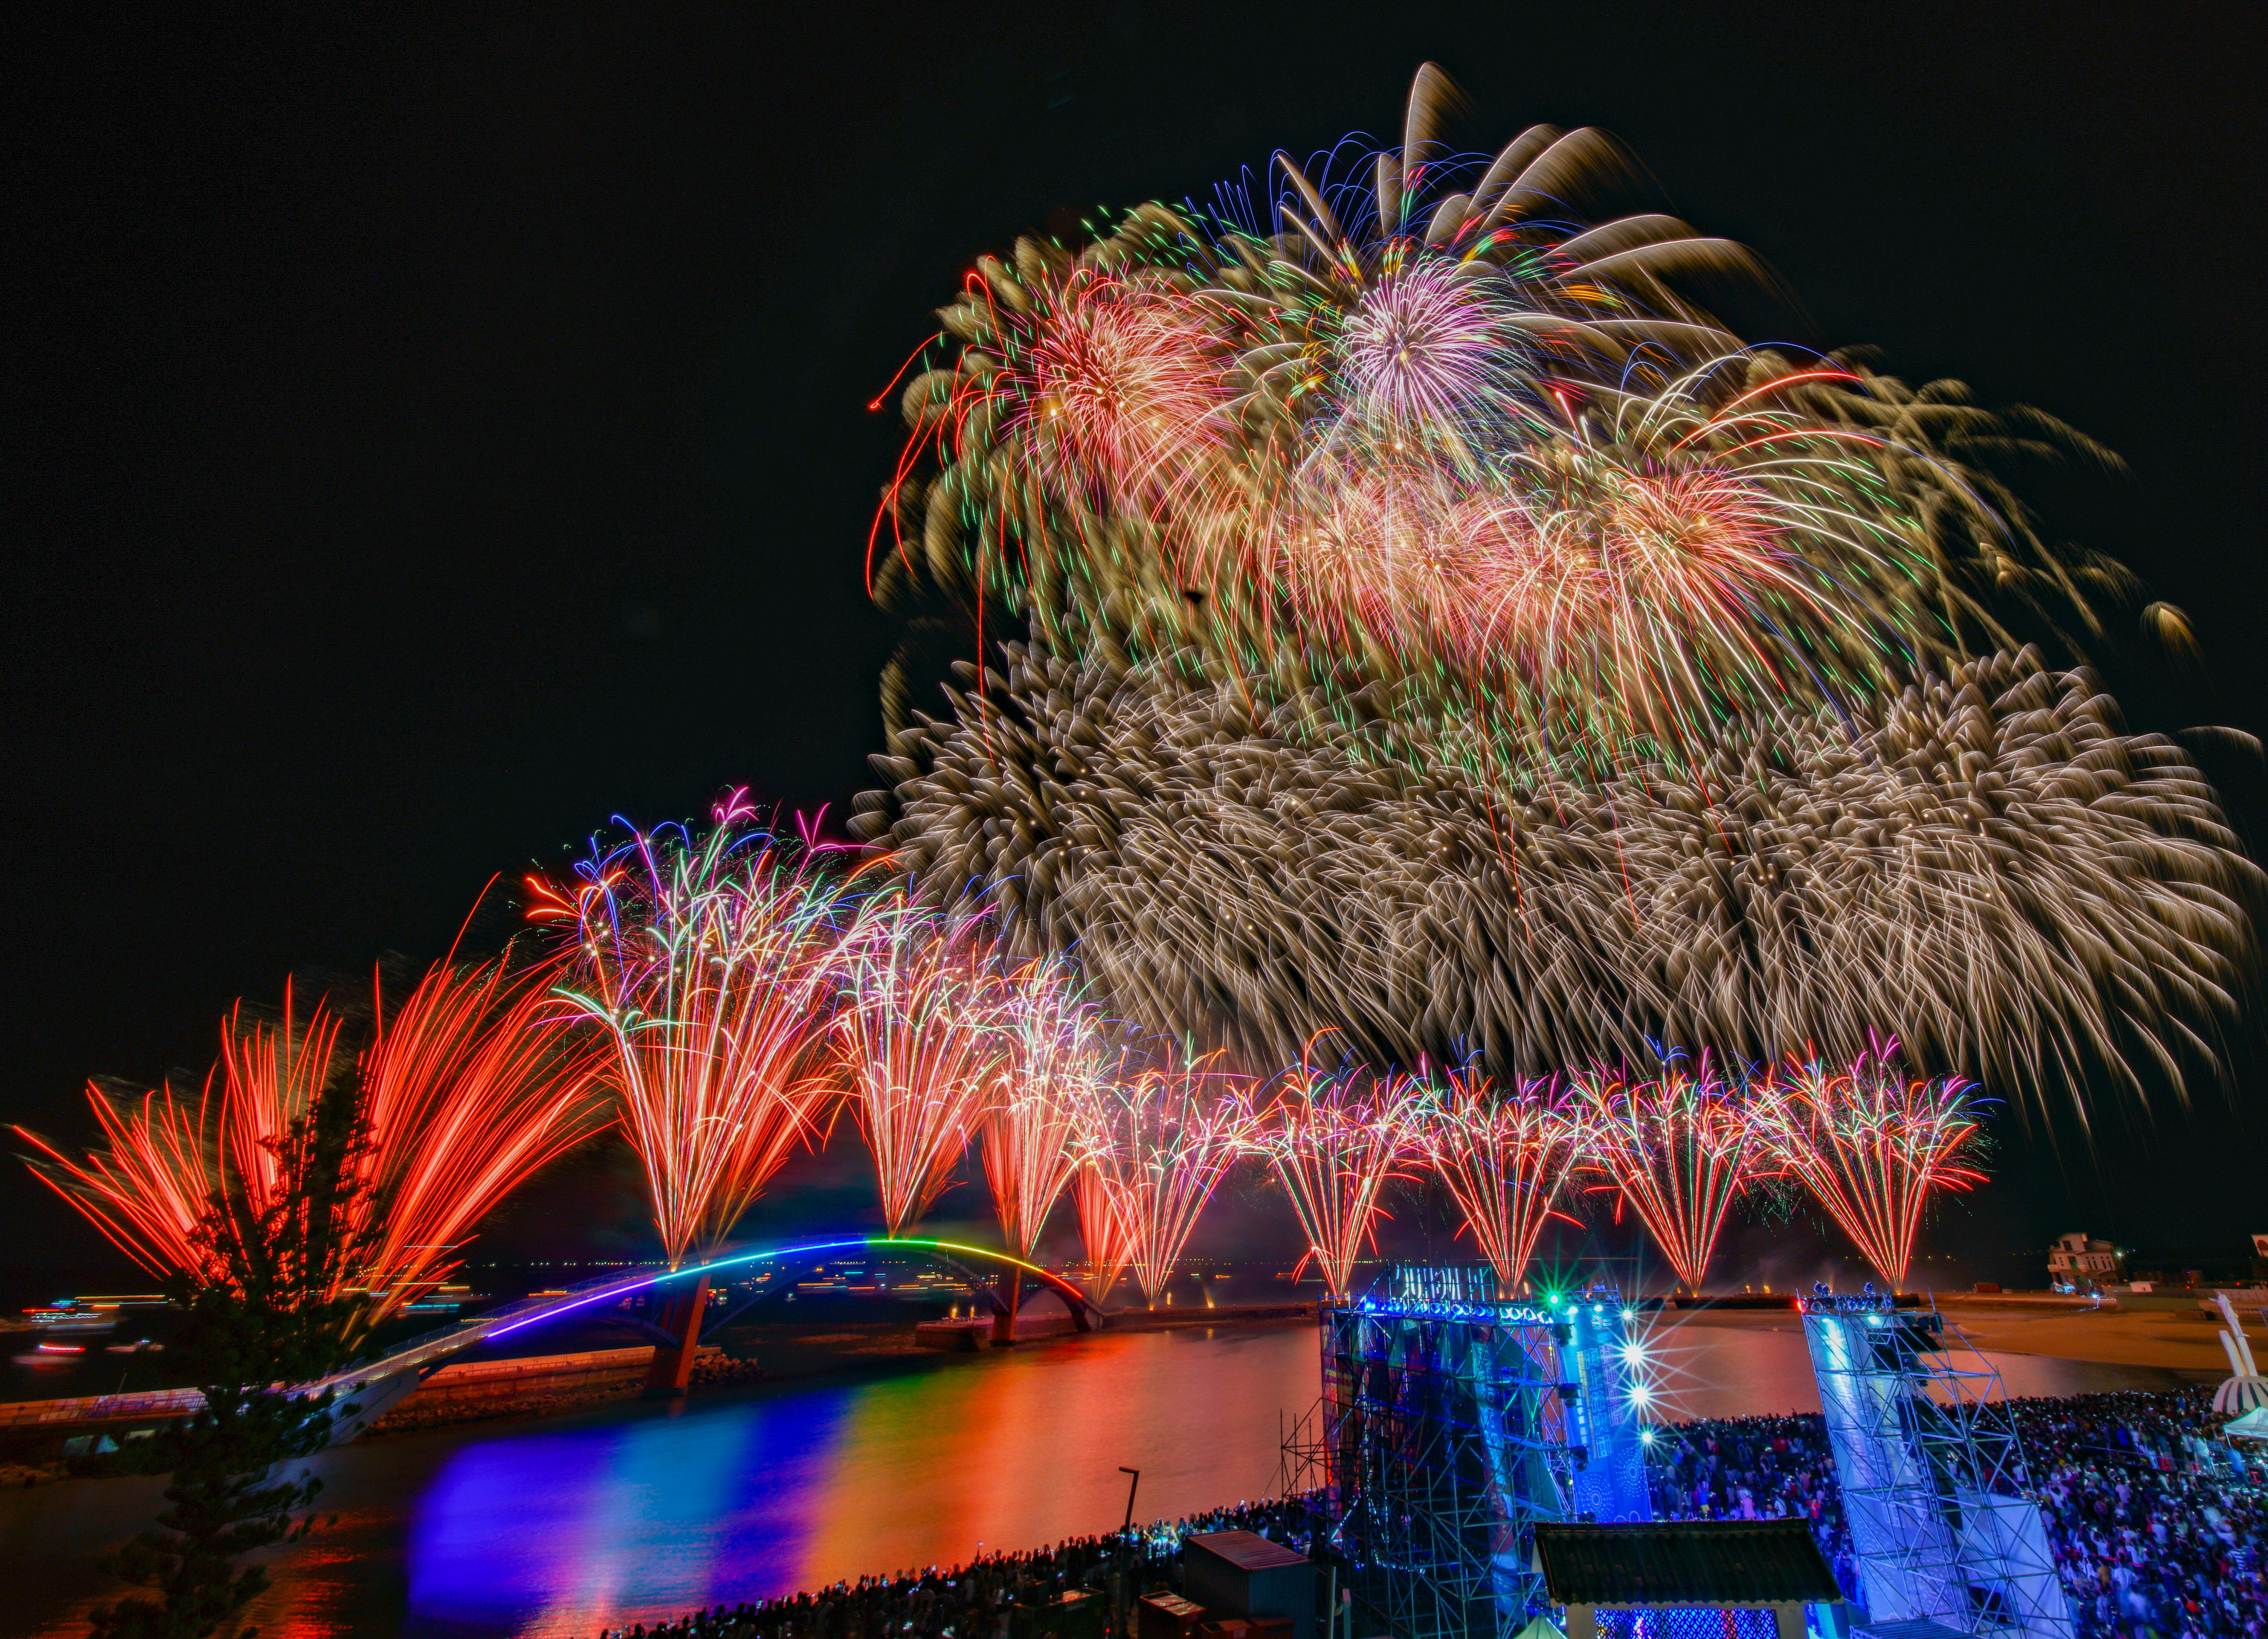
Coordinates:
[634,1512]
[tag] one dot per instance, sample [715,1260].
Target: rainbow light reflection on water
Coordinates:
[622,1518]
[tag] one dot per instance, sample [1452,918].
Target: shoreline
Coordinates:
[2159,1340]
[497,1389]
[893,1464]
[482,1389]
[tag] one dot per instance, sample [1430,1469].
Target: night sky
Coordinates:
[427,435]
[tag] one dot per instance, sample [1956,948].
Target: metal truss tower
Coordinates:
[1450,1425]
[1605,1423]
[1934,1486]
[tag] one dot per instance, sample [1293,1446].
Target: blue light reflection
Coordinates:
[710,1507]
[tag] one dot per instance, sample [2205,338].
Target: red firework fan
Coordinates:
[1172,1134]
[1096,1192]
[1872,1145]
[1504,1161]
[1679,1148]
[1047,1091]
[470,1086]
[1333,1141]
[924,1043]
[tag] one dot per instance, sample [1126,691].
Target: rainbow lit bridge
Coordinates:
[376,1386]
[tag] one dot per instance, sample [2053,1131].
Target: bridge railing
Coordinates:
[406,1356]
[461,1334]
[96,1408]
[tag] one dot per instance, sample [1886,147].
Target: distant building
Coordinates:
[2077,1264]
[2231,1263]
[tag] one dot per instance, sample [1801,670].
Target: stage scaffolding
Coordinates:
[1934,1487]
[1450,1425]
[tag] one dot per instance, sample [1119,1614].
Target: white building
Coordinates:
[2075,1262]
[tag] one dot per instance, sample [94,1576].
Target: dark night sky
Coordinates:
[426,434]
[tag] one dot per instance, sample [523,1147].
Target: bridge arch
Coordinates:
[950,1257]
[377,1385]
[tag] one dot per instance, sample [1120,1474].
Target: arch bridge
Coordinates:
[375,1386]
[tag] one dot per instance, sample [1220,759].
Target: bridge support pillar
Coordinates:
[672,1361]
[1011,1298]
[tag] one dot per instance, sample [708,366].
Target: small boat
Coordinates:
[51,1355]
[70,1317]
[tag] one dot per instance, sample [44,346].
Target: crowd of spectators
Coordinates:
[2154,1533]
[2157,1529]
[1753,1468]
[2157,1532]
[977,1600]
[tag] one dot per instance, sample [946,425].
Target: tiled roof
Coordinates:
[1722,1564]
[1247,1550]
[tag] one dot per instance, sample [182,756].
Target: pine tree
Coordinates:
[272,1309]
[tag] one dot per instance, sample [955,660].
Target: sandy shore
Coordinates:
[2181,1342]
[2167,1340]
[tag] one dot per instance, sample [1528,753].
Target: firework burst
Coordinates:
[1431,625]
[1873,1146]
[169,1160]
[473,1082]
[1486,451]
[1676,1148]
[1334,1140]
[1050,1078]
[924,1037]
[1504,1160]
[712,965]
[1248,875]
[1097,1191]
[1171,1134]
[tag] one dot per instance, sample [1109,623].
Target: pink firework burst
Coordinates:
[1333,1141]
[1504,1159]
[1873,1146]
[1424,349]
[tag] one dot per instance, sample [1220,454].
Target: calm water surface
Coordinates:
[631,1514]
